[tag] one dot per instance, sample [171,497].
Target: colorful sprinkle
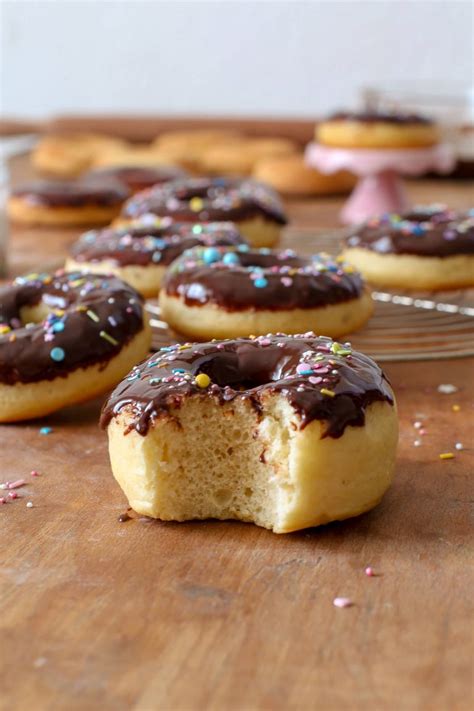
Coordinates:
[260,282]
[447,389]
[446,455]
[202,380]
[329,393]
[459,446]
[45,430]
[342,602]
[57,354]
[107,337]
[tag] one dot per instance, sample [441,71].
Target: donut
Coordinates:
[136,177]
[222,293]
[140,252]
[239,157]
[376,129]
[286,432]
[430,247]
[291,176]
[255,208]
[130,154]
[57,204]
[69,155]
[187,147]
[66,338]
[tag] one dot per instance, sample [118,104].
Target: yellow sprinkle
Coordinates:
[4,329]
[196,204]
[446,455]
[202,380]
[329,393]
[183,348]
[455,408]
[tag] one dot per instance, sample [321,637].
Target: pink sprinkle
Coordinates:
[422,431]
[16,484]
[315,380]
[3,500]
[12,495]
[35,473]
[286,281]
[264,341]
[342,602]
[369,572]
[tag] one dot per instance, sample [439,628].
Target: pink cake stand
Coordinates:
[379,188]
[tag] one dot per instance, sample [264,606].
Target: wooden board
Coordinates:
[97,614]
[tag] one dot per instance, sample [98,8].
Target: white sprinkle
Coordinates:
[447,389]
[29,505]
[417,425]
[417,443]
[459,446]
[342,602]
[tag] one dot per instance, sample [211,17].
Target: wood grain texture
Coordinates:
[97,614]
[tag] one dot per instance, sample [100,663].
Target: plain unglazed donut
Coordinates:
[430,247]
[290,175]
[254,207]
[69,155]
[239,158]
[57,204]
[286,432]
[140,252]
[377,129]
[65,338]
[223,293]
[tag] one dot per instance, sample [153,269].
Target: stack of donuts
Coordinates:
[250,415]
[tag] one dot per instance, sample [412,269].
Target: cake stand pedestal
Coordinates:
[379,188]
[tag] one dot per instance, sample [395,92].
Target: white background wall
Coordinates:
[258,57]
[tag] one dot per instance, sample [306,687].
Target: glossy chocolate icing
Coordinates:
[260,279]
[208,200]
[380,116]
[136,177]
[91,318]
[425,231]
[321,379]
[152,241]
[79,193]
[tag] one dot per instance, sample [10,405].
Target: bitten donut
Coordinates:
[141,252]
[255,208]
[221,293]
[58,204]
[375,129]
[431,247]
[291,176]
[136,177]
[66,338]
[286,432]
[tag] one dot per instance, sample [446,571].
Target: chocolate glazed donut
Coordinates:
[287,432]
[65,337]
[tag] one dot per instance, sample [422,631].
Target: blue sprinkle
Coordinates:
[46,430]
[178,370]
[243,248]
[231,258]
[417,230]
[58,326]
[57,354]
[260,283]
[156,257]
[210,255]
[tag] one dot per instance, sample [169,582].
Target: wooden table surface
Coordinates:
[143,615]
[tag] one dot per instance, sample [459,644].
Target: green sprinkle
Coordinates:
[92,315]
[108,338]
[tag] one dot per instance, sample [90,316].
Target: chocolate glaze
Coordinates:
[253,369]
[155,241]
[83,307]
[55,193]
[380,116]
[137,177]
[425,231]
[208,200]
[290,281]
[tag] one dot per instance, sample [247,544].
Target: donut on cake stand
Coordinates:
[378,148]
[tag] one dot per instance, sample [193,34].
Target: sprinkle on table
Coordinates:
[342,602]
[447,388]
[459,446]
[45,430]
[29,505]
[456,408]
[446,455]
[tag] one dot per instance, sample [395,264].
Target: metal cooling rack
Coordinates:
[404,327]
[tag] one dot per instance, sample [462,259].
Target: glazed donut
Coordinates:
[286,432]
[136,177]
[291,176]
[57,204]
[69,155]
[431,247]
[140,252]
[253,207]
[240,157]
[369,129]
[66,338]
[222,293]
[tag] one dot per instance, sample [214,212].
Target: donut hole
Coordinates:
[247,370]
